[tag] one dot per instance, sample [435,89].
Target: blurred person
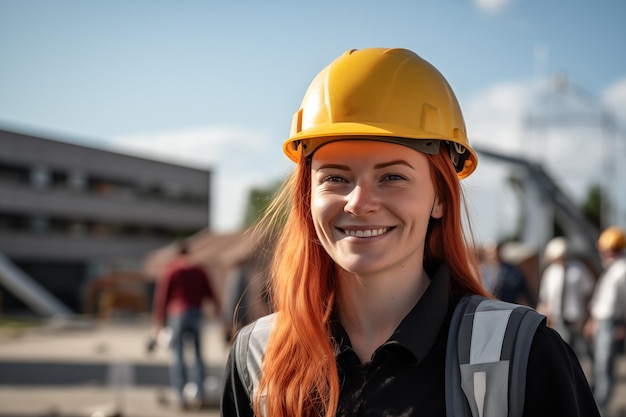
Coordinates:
[564,291]
[503,279]
[179,299]
[236,310]
[608,313]
[372,270]
[244,299]
[487,269]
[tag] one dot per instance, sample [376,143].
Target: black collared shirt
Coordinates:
[405,376]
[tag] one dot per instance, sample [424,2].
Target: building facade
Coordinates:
[69,213]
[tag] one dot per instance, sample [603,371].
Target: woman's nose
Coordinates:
[361,200]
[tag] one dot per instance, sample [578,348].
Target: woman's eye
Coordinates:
[333,178]
[393,177]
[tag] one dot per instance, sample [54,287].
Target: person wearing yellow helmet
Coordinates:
[606,325]
[371,264]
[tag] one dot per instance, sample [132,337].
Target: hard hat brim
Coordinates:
[304,143]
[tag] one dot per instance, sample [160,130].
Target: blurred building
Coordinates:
[70,213]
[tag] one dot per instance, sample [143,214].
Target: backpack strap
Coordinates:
[487,355]
[249,349]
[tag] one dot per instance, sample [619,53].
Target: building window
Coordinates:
[13,174]
[39,224]
[77,180]
[40,177]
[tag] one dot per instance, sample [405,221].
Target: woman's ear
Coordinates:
[437,211]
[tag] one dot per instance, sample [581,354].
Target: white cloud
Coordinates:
[196,146]
[239,159]
[615,99]
[494,117]
[493,120]
[571,145]
[492,6]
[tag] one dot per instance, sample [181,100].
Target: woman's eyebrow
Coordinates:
[332,166]
[377,166]
[396,162]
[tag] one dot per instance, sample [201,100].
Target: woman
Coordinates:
[371,259]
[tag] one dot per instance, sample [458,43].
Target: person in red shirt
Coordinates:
[178,306]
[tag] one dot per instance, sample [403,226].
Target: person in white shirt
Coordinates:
[608,313]
[564,292]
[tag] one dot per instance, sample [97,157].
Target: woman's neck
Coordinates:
[370,308]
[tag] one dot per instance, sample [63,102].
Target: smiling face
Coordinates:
[371,203]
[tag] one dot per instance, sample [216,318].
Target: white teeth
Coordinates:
[366,233]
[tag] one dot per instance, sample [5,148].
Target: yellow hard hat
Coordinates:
[390,95]
[612,238]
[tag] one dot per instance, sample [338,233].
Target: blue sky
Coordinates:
[215,83]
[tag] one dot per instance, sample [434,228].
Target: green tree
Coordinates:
[596,205]
[258,200]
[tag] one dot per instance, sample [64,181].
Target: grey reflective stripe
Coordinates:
[492,341]
[456,405]
[249,350]
[525,334]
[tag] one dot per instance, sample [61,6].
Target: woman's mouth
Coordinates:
[366,232]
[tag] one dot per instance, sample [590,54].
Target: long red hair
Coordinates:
[299,375]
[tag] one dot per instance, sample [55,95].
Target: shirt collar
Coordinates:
[419,329]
